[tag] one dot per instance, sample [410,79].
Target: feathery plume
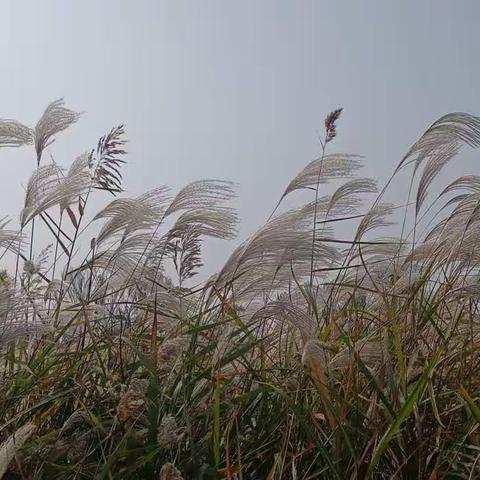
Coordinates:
[436,161]
[202,194]
[55,119]
[169,472]
[168,435]
[370,351]
[127,215]
[216,222]
[107,160]
[14,134]
[132,402]
[9,239]
[49,186]
[330,124]
[283,309]
[331,167]
[42,182]
[375,218]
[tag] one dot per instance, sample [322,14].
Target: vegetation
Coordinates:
[308,355]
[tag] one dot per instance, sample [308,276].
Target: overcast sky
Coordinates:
[235,89]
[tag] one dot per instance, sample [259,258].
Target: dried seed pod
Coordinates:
[169,472]
[132,402]
[169,434]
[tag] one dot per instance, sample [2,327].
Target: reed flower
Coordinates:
[132,401]
[170,472]
[169,434]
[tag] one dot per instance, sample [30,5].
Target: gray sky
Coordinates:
[236,90]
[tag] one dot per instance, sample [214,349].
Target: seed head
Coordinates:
[330,126]
[132,402]
[169,472]
[168,434]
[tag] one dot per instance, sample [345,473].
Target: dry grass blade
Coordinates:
[12,445]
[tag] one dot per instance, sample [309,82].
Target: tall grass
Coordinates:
[308,355]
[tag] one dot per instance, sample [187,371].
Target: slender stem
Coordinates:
[69,259]
[55,256]
[56,245]
[275,209]
[317,188]
[153,347]
[32,233]
[17,263]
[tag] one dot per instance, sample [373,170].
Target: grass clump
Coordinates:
[308,355]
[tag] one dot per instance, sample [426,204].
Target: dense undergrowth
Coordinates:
[308,355]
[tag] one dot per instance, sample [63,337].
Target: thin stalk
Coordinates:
[317,188]
[55,256]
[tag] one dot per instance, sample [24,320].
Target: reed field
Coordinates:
[310,354]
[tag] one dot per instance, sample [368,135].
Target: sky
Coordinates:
[235,90]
